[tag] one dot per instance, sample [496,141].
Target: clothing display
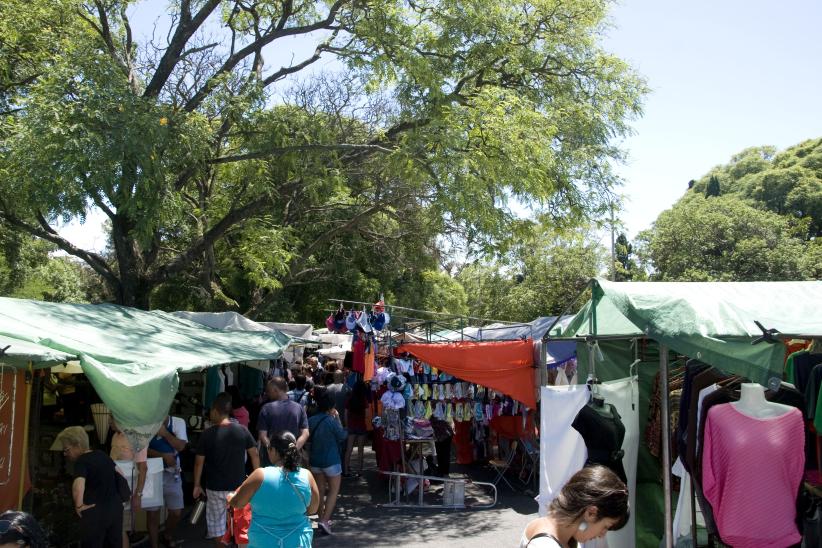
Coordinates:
[751,472]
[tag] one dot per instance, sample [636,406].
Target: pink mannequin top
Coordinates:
[751,471]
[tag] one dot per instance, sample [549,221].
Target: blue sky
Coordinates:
[725,75]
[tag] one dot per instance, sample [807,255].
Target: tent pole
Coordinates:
[24,460]
[666,444]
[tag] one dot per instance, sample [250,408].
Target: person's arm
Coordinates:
[303,438]
[315,495]
[169,459]
[304,432]
[78,489]
[198,473]
[247,490]
[254,455]
[175,442]
[263,436]
[262,428]
[136,500]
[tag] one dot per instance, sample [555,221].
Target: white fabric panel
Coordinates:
[624,395]
[561,448]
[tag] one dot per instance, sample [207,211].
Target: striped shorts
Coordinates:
[216,505]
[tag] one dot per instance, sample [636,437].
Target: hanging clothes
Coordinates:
[752,470]
[562,449]
[369,361]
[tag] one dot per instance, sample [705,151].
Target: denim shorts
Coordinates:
[330,471]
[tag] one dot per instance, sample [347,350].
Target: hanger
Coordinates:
[727,382]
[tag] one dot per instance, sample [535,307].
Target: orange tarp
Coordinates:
[505,366]
[12,426]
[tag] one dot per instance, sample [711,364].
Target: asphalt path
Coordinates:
[360,519]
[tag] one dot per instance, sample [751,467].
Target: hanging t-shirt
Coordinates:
[751,472]
[368,362]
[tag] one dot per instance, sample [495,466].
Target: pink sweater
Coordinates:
[751,471]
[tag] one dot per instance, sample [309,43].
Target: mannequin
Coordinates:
[752,403]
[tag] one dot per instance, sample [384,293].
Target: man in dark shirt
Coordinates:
[221,452]
[281,414]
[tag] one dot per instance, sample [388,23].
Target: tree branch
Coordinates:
[187,27]
[202,243]
[46,232]
[257,45]
[277,151]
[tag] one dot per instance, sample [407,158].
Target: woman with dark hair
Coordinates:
[355,409]
[593,502]
[326,435]
[21,530]
[282,496]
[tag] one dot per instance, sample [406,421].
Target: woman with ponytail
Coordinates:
[282,496]
[593,502]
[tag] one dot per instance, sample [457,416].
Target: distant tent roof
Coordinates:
[227,321]
[21,353]
[534,329]
[506,366]
[132,357]
[712,321]
[299,330]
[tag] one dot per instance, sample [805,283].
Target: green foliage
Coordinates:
[788,183]
[766,225]
[626,268]
[542,278]
[231,184]
[723,239]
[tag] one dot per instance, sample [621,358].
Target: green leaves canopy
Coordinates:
[218,171]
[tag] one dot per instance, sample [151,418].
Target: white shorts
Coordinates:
[216,505]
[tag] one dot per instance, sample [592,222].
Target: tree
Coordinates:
[713,188]
[442,112]
[556,267]
[626,267]
[788,183]
[723,239]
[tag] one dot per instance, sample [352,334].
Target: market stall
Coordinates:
[133,358]
[18,360]
[706,327]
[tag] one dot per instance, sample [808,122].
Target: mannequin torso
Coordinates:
[752,403]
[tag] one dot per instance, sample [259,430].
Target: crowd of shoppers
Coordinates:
[306,428]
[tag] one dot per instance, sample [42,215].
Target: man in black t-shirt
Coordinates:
[221,452]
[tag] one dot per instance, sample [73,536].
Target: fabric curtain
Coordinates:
[561,448]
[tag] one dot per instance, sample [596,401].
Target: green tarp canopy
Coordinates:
[710,321]
[132,357]
[19,354]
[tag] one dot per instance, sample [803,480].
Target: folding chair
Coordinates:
[530,461]
[502,465]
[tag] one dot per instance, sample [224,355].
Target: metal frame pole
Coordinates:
[666,445]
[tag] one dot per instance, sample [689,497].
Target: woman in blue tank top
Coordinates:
[282,496]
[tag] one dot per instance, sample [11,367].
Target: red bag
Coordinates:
[238,520]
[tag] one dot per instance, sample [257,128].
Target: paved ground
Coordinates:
[359,520]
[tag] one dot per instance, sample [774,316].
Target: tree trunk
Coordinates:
[134,288]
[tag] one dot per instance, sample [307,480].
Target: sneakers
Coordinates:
[324,527]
